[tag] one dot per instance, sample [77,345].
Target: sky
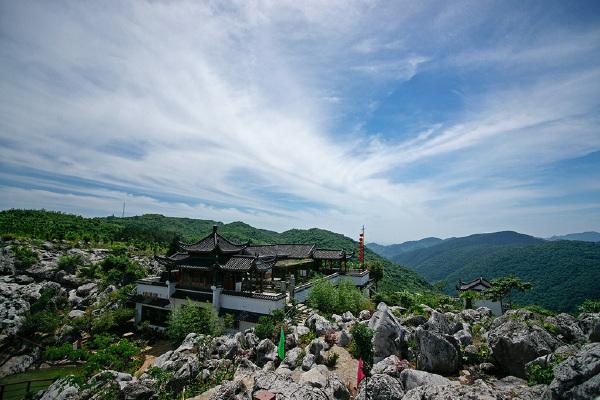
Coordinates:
[412,118]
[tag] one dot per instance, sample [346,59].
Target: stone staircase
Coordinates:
[302,312]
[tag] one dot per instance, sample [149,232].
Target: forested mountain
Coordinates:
[563,273]
[583,236]
[393,250]
[158,231]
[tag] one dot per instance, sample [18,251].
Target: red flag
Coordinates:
[360,375]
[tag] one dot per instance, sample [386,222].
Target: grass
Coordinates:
[18,391]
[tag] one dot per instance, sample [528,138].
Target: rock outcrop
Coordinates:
[578,377]
[389,337]
[515,339]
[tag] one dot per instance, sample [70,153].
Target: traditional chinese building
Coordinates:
[479,285]
[238,278]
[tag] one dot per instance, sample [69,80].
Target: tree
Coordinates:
[376,271]
[188,318]
[468,296]
[362,347]
[502,288]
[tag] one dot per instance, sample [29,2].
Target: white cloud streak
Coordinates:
[224,112]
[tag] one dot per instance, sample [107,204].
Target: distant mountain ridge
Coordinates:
[564,273]
[156,228]
[590,236]
[392,250]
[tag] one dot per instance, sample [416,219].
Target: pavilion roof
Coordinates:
[473,284]
[213,243]
[243,263]
[295,250]
[330,254]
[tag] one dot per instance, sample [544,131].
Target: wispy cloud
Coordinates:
[243,112]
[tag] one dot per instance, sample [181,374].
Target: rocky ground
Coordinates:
[465,355]
[20,287]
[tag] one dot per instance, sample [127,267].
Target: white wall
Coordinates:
[492,305]
[359,280]
[250,304]
[161,291]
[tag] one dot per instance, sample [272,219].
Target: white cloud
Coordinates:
[228,109]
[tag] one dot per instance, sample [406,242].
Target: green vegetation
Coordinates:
[376,270]
[413,301]
[104,352]
[564,273]
[265,329]
[331,299]
[156,233]
[18,392]
[70,263]
[589,306]
[503,287]
[543,374]
[25,257]
[189,318]
[361,346]
[331,360]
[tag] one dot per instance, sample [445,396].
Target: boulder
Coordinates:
[291,357]
[317,348]
[412,378]
[515,342]
[308,362]
[589,323]
[62,389]
[380,387]
[479,390]
[17,364]
[137,390]
[463,337]
[348,317]
[319,324]
[415,320]
[389,337]
[391,366]
[85,290]
[265,351]
[364,315]
[578,377]
[567,327]
[76,314]
[285,388]
[437,322]
[344,338]
[314,378]
[435,352]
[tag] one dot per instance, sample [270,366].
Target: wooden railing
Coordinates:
[9,389]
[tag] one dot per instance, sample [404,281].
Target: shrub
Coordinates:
[110,320]
[539,310]
[120,270]
[189,318]
[330,337]
[120,356]
[228,321]
[304,340]
[361,345]
[69,263]
[543,374]
[265,329]
[329,299]
[332,359]
[43,322]
[25,257]
[590,306]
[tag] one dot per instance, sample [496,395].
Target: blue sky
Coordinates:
[413,118]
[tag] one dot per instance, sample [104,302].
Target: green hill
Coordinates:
[393,250]
[563,273]
[158,230]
